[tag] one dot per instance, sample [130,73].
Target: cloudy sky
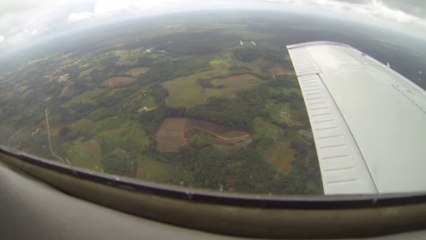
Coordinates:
[23,20]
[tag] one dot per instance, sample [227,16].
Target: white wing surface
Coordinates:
[368,121]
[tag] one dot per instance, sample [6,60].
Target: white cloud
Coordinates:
[378,8]
[373,8]
[2,38]
[78,16]
[23,19]
[103,7]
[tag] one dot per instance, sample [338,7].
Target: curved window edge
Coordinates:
[250,215]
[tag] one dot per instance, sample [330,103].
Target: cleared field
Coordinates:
[280,157]
[208,126]
[118,82]
[187,92]
[135,72]
[170,136]
[178,132]
[221,137]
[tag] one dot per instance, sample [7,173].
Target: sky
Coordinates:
[24,20]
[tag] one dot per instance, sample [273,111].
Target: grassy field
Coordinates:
[128,135]
[280,71]
[223,63]
[127,57]
[85,154]
[112,133]
[118,82]
[280,112]
[171,135]
[157,171]
[264,129]
[136,72]
[280,157]
[88,97]
[187,91]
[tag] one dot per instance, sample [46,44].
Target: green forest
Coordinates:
[216,107]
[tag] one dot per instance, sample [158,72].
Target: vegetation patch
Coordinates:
[142,100]
[119,163]
[170,136]
[266,130]
[188,92]
[136,72]
[129,136]
[280,112]
[118,82]
[88,97]
[175,133]
[80,126]
[158,171]
[281,157]
[85,154]
[280,71]
[203,133]
[127,57]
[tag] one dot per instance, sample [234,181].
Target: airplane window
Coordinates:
[209,95]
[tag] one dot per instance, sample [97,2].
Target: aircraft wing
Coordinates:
[368,121]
